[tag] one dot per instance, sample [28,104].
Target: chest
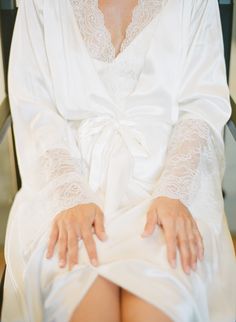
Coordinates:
[109,26]
[117,15]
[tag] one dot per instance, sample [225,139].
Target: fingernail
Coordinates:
[76,265]
[173,263]
[61,263]
[194,266]
[188,270]
[104,236]
[94,262]
[144,234]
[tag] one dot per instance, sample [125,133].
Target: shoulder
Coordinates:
[38,4]
[199,11]
[31,8]
[199,7]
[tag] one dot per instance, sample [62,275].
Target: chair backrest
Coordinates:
[226,13]
[8,11]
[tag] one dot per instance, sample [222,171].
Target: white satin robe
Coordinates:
[80,140]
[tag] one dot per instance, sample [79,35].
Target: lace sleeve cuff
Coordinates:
[65,180]
[193,152]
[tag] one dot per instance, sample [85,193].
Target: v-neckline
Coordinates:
[126,49]
[108,32]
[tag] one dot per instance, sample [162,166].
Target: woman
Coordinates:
[119,109]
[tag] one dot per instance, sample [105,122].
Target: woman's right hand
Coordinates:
[73,224]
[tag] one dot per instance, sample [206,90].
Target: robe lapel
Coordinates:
[79,91]
[75,79]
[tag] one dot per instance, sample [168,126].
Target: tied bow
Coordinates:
[96,134]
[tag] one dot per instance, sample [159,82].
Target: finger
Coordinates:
[199,240]
[99,225]
[192,244]
[170,237]
[72,246]
[184,246]
[52,241]
[150,223]
[90,245]
[62,245]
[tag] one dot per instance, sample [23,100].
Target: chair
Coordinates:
[8,11]
[7,18]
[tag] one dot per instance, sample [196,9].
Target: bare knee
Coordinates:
[101,303]
[134,309]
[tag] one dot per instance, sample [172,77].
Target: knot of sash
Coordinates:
[97,134]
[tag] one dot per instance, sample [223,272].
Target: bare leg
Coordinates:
[101,303]
[134,309]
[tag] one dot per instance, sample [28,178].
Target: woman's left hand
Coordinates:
[180,230]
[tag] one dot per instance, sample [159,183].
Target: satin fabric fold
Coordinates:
[104,128]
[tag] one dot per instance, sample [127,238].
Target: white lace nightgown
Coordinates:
[91,126]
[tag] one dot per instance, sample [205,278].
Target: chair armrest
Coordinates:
[5,118]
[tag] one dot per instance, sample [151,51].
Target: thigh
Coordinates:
[134,309]
[101,303]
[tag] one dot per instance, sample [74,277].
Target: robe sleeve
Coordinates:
[195,154]
[48,163]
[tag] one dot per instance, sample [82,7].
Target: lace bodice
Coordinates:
[91,24]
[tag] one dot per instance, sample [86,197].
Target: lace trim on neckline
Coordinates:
[91,22]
